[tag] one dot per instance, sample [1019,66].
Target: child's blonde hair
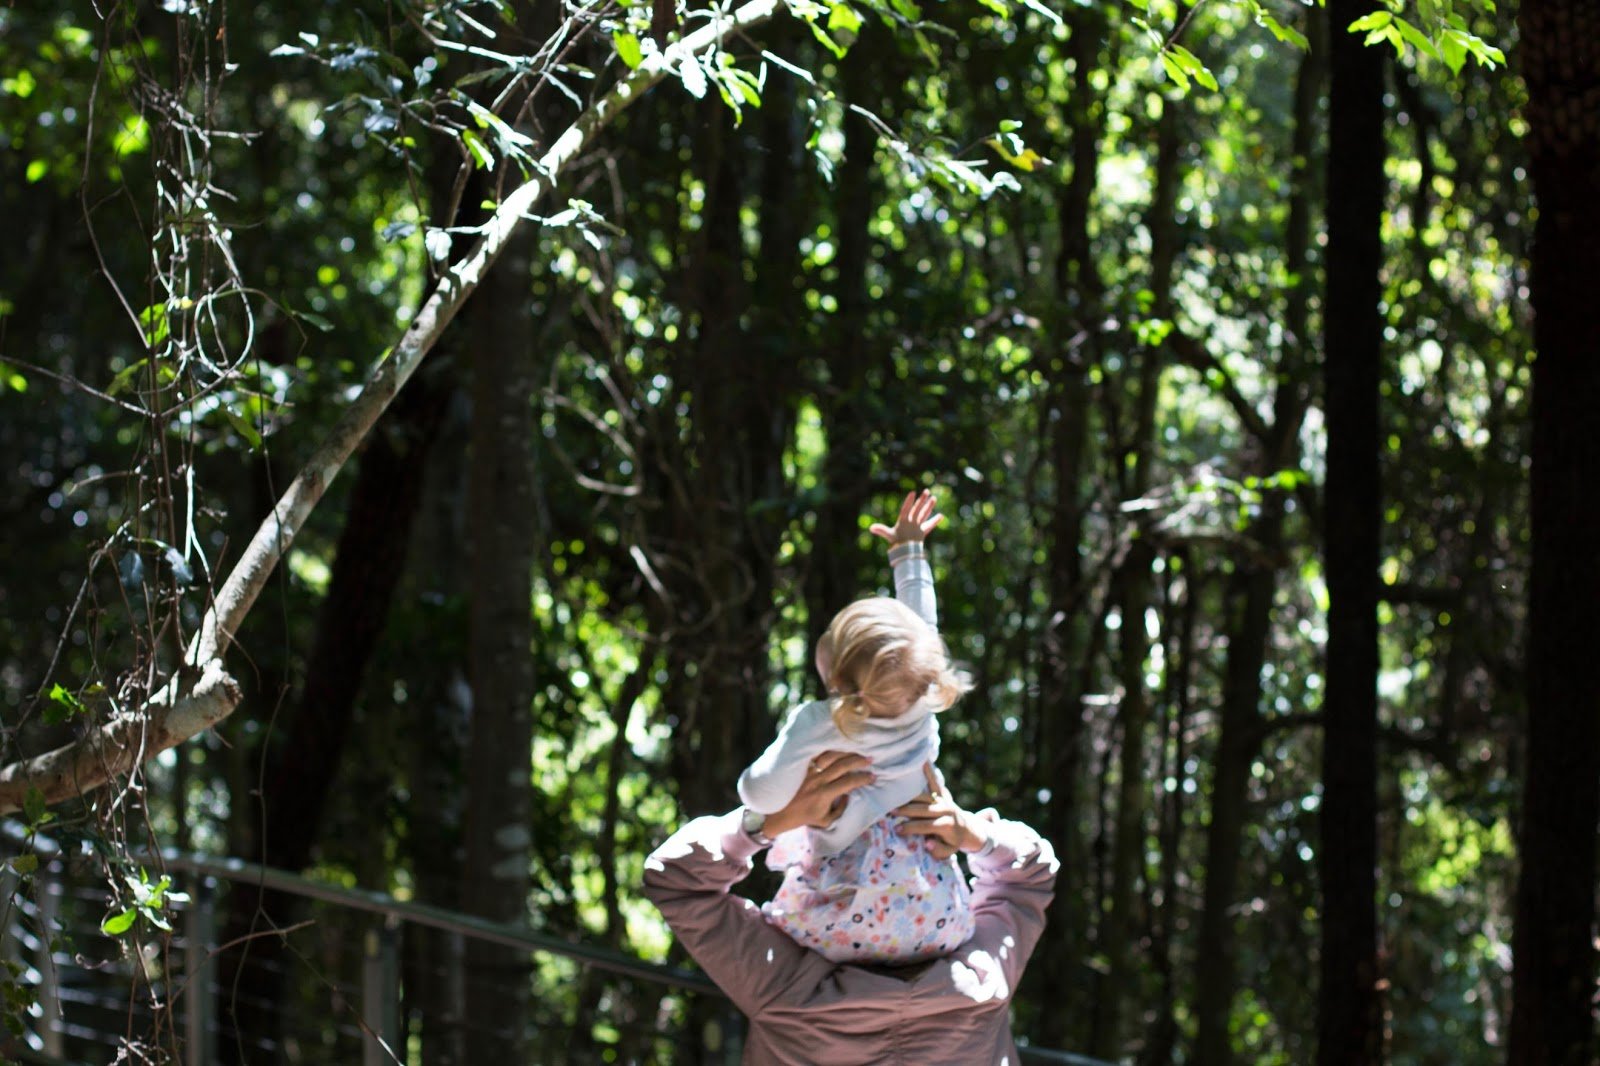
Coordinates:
[882,658]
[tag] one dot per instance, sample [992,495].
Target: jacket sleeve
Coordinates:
[768,784]
[688,878]
[913,580]
[1012,885]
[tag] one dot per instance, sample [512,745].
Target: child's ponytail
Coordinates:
[884,658]
[849,712]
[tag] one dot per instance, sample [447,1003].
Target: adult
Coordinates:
[804,1009]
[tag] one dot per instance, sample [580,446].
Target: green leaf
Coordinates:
[1486,54]
[1453,51]
[1375,21]
[242,426]
[628,49]
[125,376]
[33,806]
[999,7]
[24,864]
[119,923]
[1175,71]
[1009,125]
[65,705]
[133,137]
[1193,67]
[482,158]
[843,20]
[745,84]
[1282,32]
[1416,38]
[1387,33]
[37,169]
[153,323]
[827,42]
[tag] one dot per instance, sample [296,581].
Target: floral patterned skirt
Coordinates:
[884,899]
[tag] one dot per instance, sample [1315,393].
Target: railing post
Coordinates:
[200,933]
[49,888]
[380,996]
[455,990]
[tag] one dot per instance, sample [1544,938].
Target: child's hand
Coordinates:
[918,517]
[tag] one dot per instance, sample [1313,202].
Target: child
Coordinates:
[857,890]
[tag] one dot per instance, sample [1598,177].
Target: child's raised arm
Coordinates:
[913,577]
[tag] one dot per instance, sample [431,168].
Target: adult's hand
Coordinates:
[830,779]
[936,816]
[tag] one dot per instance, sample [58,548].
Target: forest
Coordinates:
[436,433]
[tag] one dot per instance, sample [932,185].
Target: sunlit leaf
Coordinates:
[693,76]
[1175,71]
[1415,38]
[119,923]
[482,158]
[628,49]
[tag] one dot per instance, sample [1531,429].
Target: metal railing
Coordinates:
[87,1001]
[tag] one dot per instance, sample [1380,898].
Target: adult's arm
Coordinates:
[1013,882]
[1014,875]
[688,878]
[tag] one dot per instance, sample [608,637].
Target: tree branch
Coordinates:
[1193,352]
[170,718]
[116,747]
[249,576]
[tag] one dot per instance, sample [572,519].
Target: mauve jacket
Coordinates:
[806,1010]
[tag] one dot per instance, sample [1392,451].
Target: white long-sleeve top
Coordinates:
[898,747]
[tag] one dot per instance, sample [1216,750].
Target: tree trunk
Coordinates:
[1553,984]
[1350,1015]
[439,701]
[1058,962]
[501,539]
[1134,594]
[1251,590]
[1161,1045]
